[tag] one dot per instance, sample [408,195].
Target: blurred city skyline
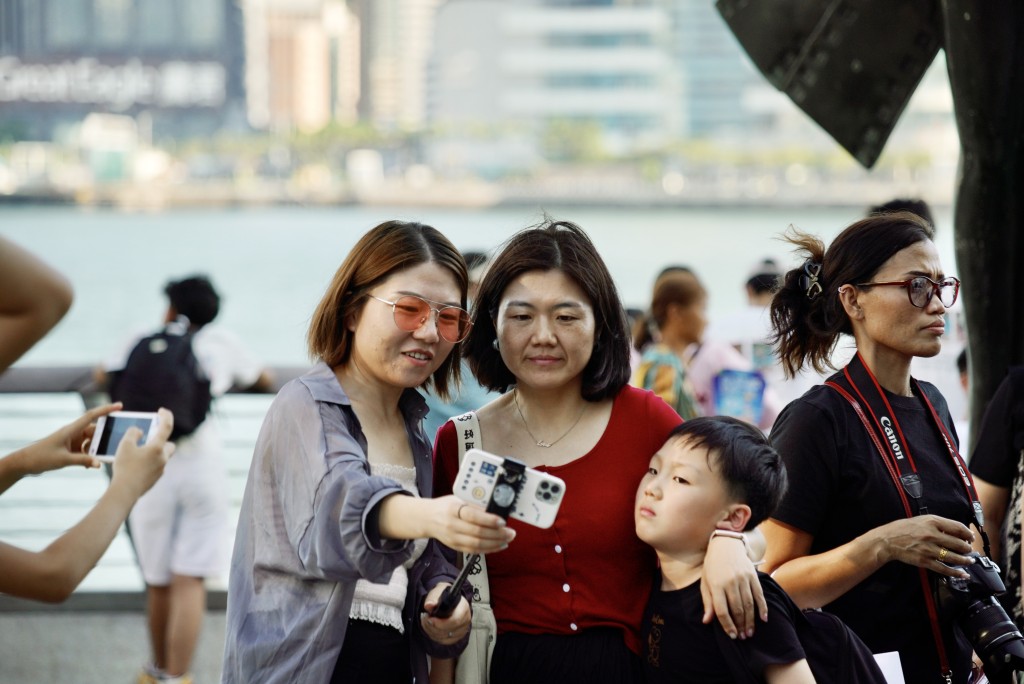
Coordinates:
[472,102]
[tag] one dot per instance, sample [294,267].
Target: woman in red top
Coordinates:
[549,330]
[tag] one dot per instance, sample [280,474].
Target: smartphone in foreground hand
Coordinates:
[111,428]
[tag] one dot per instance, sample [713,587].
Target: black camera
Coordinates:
[972,604]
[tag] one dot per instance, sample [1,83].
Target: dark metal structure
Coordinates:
[852,65]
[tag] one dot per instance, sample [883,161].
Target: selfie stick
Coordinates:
[503,500]
[451,595]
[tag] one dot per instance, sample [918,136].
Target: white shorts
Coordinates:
[180,526]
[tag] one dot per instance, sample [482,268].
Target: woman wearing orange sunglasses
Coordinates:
[333,575]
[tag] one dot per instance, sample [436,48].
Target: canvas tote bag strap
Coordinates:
[467,428]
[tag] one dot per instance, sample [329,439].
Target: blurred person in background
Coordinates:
[914,205]
[633,317]
[180,528]
[675,320]
[963,423]
[721,379]
[749,330]
[997,464]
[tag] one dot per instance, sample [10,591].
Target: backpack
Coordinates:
[834,652]
[162,371]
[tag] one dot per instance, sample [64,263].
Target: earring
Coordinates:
[495,344]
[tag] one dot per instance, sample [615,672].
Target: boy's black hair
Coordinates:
[195,298]
[743,457]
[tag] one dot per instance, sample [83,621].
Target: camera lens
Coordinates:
[503,495]
[989,628]
[971,602]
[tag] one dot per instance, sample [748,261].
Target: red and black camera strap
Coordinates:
[858,386]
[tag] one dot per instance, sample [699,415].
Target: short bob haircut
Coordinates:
[553,246]
[386,249]
[806,328]
[751,470]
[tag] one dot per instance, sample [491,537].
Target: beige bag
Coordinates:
[474,665]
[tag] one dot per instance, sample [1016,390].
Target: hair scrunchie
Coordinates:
[809,281]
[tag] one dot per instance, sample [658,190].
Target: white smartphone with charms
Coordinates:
[111,428]
[534,496]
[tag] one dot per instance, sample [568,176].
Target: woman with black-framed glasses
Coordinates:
[879,506]
[333,571]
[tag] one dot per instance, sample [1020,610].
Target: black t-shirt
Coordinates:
[1001,436]
[679,648]
[839,489]
[998,459]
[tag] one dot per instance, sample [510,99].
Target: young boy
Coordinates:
[713,475]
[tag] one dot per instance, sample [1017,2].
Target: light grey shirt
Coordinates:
[307,532]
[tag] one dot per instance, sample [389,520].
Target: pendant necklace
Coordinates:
[540,442]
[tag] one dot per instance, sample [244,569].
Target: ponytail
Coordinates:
[803,311]
[807,316]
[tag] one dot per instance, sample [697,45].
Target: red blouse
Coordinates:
[589,569]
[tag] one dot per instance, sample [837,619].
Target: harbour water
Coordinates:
[272,264]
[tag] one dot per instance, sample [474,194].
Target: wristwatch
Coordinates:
[730,534]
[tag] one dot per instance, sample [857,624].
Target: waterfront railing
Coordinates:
[35,401]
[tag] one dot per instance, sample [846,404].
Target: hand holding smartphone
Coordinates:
[509,488]
[111,428]
[535,502]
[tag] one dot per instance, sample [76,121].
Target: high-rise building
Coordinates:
[533,65]
[303,63]
[719,87]
[397,36]
[180,63]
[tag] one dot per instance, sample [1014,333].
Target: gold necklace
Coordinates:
[540,442]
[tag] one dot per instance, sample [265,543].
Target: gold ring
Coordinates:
[458,515]
[85,444]
[943,552]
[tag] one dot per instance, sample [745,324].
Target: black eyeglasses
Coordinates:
[411,313]
[922,288]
